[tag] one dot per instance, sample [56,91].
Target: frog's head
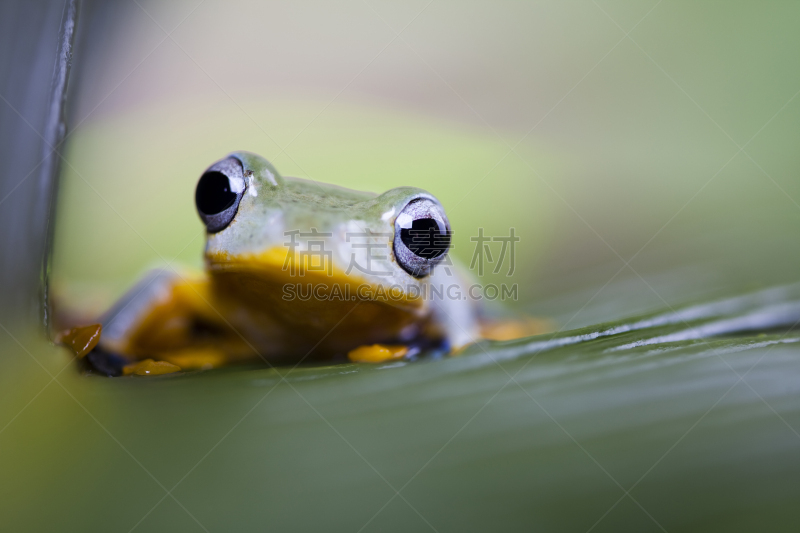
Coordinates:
[271,231]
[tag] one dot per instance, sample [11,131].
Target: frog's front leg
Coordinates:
[167,322]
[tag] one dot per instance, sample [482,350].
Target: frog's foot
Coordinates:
[83,340]
[377,353]
[507,329]
[114,365]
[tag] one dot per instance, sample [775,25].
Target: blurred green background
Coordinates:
[623,147]
[646,154]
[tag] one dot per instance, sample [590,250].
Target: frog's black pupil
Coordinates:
[426,237]
[214,193]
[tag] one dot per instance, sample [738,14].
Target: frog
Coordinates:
[297,271]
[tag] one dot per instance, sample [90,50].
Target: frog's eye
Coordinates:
[218,193]
[421,236]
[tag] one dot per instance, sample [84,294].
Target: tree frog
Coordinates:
[296,270]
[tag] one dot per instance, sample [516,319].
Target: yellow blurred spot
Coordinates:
[196,358]
[377,353]
[505,330]
[81,340]
[148,367]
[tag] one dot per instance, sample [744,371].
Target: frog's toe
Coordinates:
[81,340]
[377,353]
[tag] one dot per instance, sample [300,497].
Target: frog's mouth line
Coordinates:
[299,274]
